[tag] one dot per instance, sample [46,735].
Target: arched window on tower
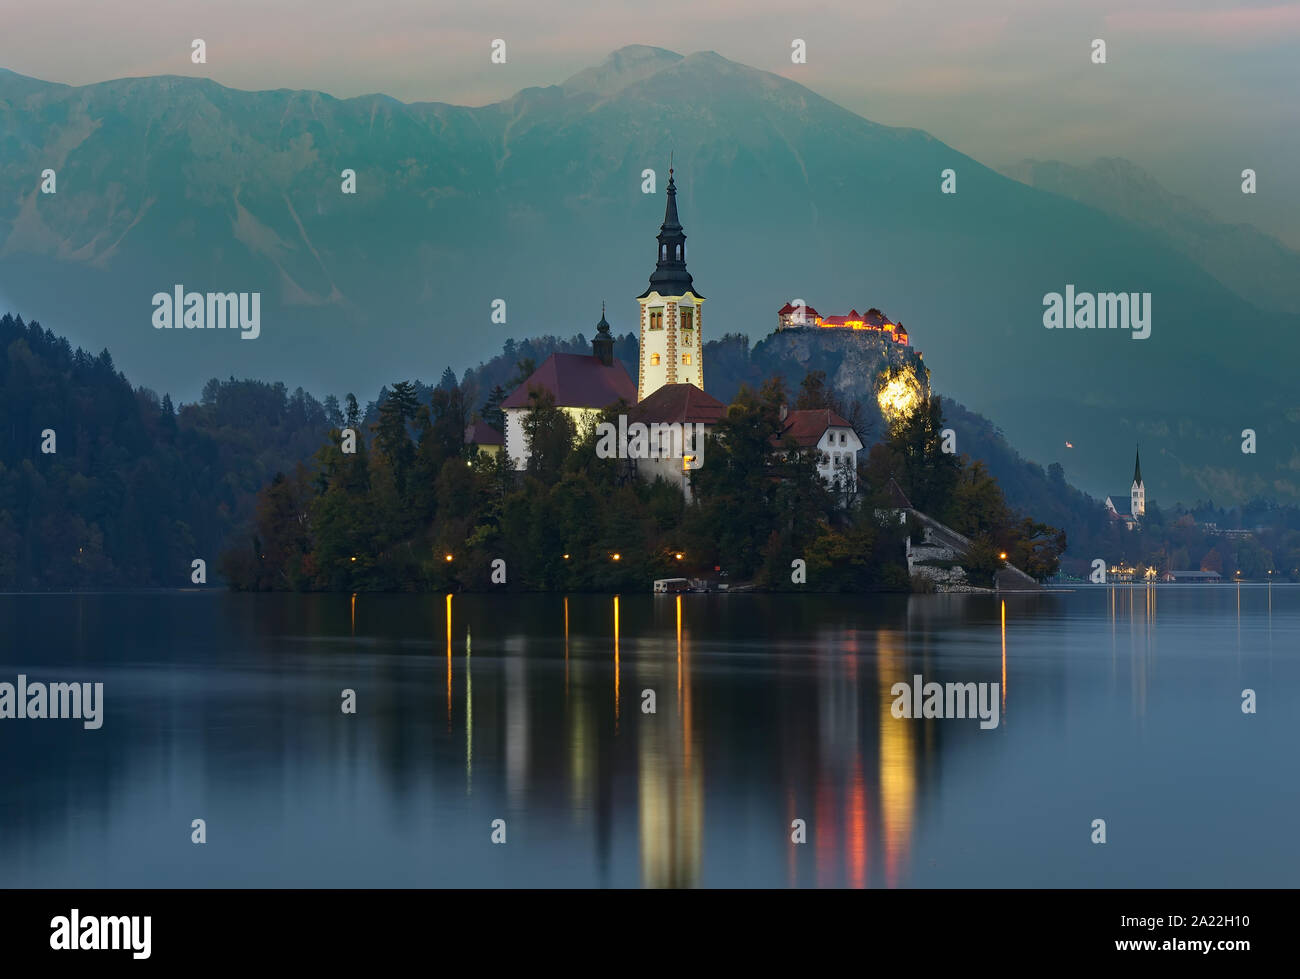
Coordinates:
[686,359]
[679,253]
[654,360]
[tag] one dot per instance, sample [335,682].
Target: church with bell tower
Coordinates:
[1130,507]
[671,329]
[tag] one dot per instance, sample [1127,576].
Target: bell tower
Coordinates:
[1138,492]
[671,331]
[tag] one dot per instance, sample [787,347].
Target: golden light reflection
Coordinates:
[448,661]
[670,783]
[354,613]
[679,650]
[1004,659]
[897,764]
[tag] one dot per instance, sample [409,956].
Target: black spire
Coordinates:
[602,344]
[1137,467]
[670,277]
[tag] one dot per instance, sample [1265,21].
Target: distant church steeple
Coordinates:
[1137,493]
[671,333]
[602,345]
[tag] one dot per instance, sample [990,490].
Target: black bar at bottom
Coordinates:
[334,929]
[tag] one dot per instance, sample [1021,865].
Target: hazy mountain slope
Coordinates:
[1243,258]
[537,200]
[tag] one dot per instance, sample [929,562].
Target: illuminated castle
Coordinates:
[801,315]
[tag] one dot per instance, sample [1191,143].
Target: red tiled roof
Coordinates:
[678,404]
[787,309]
[807,426]
[481,433]
[576,381]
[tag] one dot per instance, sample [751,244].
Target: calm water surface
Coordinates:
[1123,705]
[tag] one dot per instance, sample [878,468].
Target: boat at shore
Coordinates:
[683,586]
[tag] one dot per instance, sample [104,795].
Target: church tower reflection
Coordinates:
[670,779]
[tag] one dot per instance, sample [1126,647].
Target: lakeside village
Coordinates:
[582,478]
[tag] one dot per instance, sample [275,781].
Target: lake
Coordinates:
[1118,704]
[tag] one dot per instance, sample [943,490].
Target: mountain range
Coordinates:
[537,200]
[1242,257]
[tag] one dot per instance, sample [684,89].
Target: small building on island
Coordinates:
[483,437]
[832,437]
[679,417]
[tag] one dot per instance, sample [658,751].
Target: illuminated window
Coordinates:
[654,360]
[686,359]
[657,318]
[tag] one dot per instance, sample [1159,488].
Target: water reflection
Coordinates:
[767,710]
[670,780]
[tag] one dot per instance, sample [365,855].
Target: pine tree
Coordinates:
[492,412]
[391,436]
[333,414]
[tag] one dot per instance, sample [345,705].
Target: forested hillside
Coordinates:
[136,487]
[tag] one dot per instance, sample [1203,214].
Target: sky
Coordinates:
[1194,91]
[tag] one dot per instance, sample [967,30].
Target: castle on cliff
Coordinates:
[799,315]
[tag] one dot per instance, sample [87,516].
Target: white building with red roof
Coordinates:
[832,437]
